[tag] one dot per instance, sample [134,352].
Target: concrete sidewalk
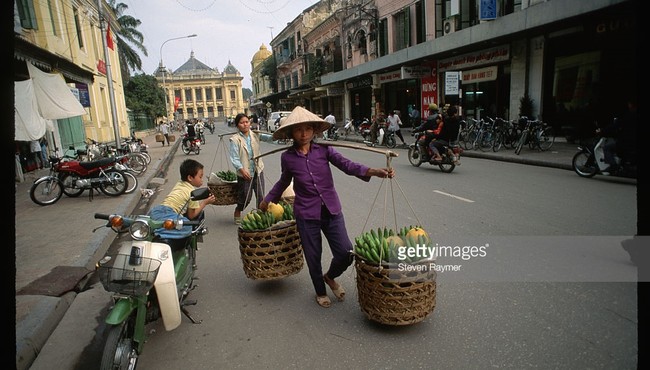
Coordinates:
[57,246]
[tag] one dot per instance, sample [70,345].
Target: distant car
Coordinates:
[274,119]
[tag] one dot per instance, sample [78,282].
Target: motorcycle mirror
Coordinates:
[200,194]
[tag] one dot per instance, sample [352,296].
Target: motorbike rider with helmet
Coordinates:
[190,132]
[432,126]
[449,131]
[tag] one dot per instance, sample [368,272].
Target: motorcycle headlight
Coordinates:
[140,230]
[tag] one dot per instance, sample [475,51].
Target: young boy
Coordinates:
[175,202]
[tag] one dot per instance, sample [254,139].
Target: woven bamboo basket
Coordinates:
[224,193]
[271,254]
[392,296]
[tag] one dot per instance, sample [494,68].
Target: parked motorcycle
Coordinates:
[419,153]
[332,134]
[148,261]
[72,177]
[589,161]
[384,137]
[193,145]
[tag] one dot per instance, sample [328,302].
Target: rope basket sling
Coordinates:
[225,192]
[387,293]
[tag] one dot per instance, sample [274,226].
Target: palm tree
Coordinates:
[129,58]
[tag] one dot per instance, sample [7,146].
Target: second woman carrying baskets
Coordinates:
[317,206]
[244,146]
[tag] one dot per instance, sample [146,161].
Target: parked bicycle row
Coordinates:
[497,133]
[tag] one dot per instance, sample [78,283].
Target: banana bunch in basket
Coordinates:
[260,220]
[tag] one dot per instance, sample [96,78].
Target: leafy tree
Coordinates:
[128,37]
[143,95]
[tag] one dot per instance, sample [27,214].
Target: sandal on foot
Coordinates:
[323,301]
[339,292]
[237,220]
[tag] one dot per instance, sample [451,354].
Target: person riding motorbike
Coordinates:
[432,126]
[190,132]
[449,130]
[623,132]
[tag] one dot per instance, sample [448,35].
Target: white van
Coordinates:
[274,119]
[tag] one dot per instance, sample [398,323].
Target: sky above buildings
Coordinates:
[227,30]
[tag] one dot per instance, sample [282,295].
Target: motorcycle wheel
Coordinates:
[186,149]
[584,165]
[70,188]
[115,184]
[119,350]
[132,182]
[391,142]
[414,155]
[447,167]
[197,150]
[46,191]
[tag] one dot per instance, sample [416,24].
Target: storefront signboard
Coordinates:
[476,59]
[480,75]
[451,83]
[415,72]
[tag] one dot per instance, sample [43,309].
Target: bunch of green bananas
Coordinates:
[227,175]
[257,220]
[382,245]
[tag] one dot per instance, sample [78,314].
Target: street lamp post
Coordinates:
[162,66]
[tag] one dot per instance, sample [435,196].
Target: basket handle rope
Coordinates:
[223,146]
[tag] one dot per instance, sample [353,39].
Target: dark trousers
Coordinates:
[246,190]
[333,227]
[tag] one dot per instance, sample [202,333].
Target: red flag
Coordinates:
[109,38]
[176,102]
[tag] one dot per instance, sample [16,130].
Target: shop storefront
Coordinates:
[590,71]
[483,82]
[360,97]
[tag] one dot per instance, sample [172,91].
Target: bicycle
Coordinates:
[536,134]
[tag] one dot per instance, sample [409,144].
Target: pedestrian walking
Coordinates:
[44,159]
[164,129]
[317,207]
[35,148]
[394,124]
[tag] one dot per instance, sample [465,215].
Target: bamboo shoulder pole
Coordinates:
[387,153]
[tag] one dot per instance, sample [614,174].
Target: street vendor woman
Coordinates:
[317,206]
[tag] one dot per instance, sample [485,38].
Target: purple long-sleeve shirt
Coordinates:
[313,183]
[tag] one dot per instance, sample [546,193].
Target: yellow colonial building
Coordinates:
[194,90]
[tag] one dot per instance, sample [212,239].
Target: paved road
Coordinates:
[56,249]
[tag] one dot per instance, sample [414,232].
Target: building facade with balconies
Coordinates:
[567,56]
[66,37]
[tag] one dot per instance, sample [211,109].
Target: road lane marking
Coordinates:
[454,196]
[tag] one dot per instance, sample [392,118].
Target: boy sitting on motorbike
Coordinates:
[177,202]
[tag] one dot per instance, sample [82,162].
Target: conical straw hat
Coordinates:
[299,115]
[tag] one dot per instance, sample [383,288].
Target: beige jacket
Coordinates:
[244,155]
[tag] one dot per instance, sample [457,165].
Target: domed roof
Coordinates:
[261,55]
[230,69]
